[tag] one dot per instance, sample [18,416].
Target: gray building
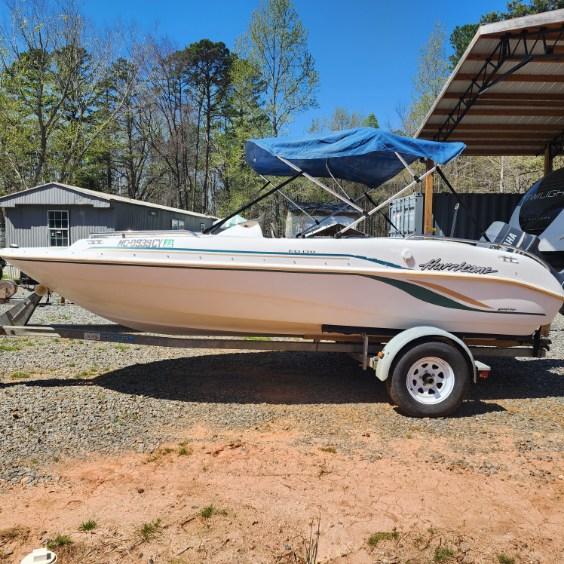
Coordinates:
[56,214]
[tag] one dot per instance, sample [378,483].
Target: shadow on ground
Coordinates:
[521,379]
[302,378]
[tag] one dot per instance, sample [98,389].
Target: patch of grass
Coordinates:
[184,449]
[20,375]
[329,449]
[120,347]
[92,371]
[442,554]
[148,531]
[9,347]
[375,538]
[210,510]
[58,542]
[87,526]
[504,559]
[14,345]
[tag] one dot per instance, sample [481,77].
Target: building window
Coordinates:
[177,223]
[58,223]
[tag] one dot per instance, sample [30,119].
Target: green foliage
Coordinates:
[58,542]
[462,35]
[245,119]
[149,531]
[504,559]
[442,554]
[210,510]
[88,526]
[164,125]
[370,121]
[276,45]
[375,538]
[432,72]
[184,449]
[206,66]
[343,119]
[20,375]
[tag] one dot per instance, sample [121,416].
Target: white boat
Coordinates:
[416,305]
[239,282]
[243,283]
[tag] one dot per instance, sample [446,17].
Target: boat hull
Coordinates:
[183,297]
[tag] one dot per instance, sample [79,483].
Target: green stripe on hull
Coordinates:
[434,298]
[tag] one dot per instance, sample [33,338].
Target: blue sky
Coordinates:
[366,51]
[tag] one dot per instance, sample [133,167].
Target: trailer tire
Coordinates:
[429,379]
[390,391]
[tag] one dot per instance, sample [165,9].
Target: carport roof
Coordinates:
[506,95]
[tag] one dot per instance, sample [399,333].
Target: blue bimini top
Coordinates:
[363,154]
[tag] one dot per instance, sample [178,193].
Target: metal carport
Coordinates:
[506,94]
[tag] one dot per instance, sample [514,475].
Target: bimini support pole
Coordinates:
[416,180]
[286,197]
[298,207]
[348,201]
[428,202]
[217,225]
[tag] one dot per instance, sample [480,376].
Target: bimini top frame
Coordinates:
[364,155]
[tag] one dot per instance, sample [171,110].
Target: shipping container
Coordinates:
[406,214]
[474,214]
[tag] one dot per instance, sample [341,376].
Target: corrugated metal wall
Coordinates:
[476,213]
[133,216]
[26,226]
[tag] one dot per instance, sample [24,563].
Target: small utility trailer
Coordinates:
[427,370]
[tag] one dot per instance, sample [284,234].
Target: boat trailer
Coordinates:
[378,349]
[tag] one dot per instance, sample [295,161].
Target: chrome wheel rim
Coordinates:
[430,380]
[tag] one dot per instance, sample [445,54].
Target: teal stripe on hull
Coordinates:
[242,252]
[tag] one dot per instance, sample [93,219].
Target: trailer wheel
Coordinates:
[429,380]
[391,398]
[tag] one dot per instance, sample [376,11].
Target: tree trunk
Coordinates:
[207,163]
[196,157]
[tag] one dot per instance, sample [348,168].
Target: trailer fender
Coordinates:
[383,362]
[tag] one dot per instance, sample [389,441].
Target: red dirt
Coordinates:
[267,489]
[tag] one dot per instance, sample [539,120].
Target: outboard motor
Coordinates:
[537,223]
[541,213]
[504,234]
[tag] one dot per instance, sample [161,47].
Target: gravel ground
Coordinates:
[69,398]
